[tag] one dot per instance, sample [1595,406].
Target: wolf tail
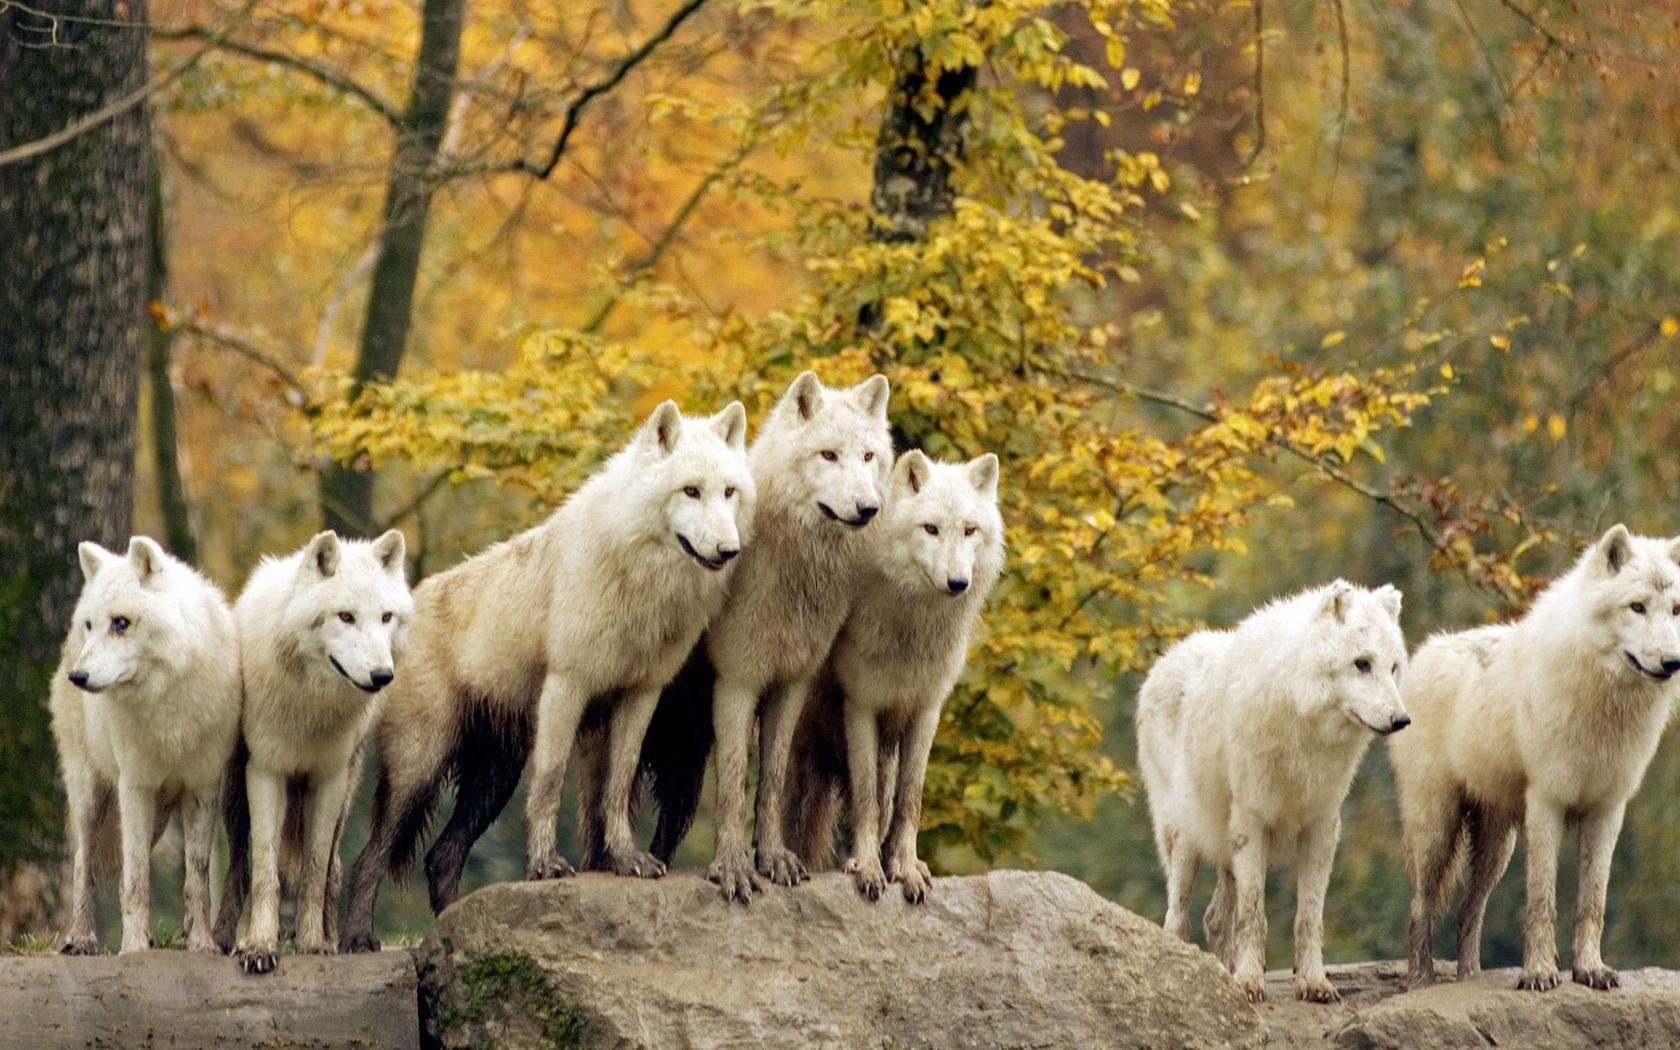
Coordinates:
[675,751]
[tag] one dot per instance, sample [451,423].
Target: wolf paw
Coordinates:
[255,960]
[868,877]
[553,866]
[734,877]
[635,863]
[1317,990]
[204,946]
[356,943]
[1466,970]
[1601,977]
[85,945]
[311,946]
[1254,987]
[782,867]
[1539,980]
[913,877]
[1416,979]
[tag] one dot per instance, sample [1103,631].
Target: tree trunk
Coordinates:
[347,491]
[73,328]
[166,454]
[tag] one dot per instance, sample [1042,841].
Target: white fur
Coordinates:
[1530,723]
[1248,740]
[321,633]
[821,464]
[153,724]
[937,554]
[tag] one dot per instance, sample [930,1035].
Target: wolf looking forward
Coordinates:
[1548,720]
[867,735]
[599,604]
[145,711]
[1248,740]
[321,633]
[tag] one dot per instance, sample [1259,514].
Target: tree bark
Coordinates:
[72,331]
[166,455]
[347,491]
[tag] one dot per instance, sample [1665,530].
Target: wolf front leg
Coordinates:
[137,806]
[903,866]
[1317,852]
[1248,869]
[265,795]
[1543,824]
[1599,829]
[322,806]
[559,709]
[734,704]
[198,826]
[862,740]
[775,741]
[624,752]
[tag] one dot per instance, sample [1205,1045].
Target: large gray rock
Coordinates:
[185,1001]
[1010,959]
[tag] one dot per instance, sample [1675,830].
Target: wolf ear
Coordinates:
[912,469]
[390,549]
[663,429]
[323,553]
[731,425]
[93,558]
[984,473]
[804,395]
[873,394]
[1614,547]
[1337,600]
[1674,550]
[1389,596]
[146,555]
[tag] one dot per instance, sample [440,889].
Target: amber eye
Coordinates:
[347,617]
[1363,664]
[385,618]
[830,455]
[1638,607]
[868,457]
[971,530]
[931,530]
[119,624]
[691,492]
[729,493]
[89,625]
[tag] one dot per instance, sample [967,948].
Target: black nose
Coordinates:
[1399,723]
[865,513]
[726,553]
[957,586]
[381,678]
[1671,664]
[79,679]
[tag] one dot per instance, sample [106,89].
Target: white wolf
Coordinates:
[1549,719]
[821,463]
[598,605]
[145,708]
[936,557]
[1248,740]
[321,633]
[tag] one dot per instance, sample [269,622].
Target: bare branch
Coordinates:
[426,491]
[1342,115]
[1259,83]
[318,71]
[227,340]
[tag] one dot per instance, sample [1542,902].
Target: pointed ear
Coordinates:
[1674,550]
[1336,600]
[1389,596]
[983,472]
[873,394]
[390,549]
[731,425]
[93,557]
[323,553]
[663,429]
[912,469]
[1614,547]
[146,555]
[804,396]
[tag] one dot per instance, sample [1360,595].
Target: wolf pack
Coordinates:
[818,591]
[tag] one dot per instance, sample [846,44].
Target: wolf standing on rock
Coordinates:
[1248,740]
[1548,720]
[321,633]
[145,711]
[599,604]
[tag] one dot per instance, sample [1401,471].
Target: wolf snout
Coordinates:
[956,585]
[1671,664]
[381,678]
[79,679]
[1400,722]
[728,553]
[866,511]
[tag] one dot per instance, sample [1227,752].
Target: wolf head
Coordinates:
[127,618]
[941,529]
[1357,647]
[827,452]
[1632,589]
[696,470]
[352,596]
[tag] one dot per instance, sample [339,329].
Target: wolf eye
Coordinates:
[385,618]
[89,624]
[729,493]
[931,530]
[1638,607]
[1395,669]
[119,624]
[970,530]
[1363,664]
[691,492]
[868,456]
[830,455]
[347,617]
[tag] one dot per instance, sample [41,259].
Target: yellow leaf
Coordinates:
[1555,426]
[1192,82]
[1129,77]
[1503,342]
[1669,327]
[1446,371]
[1332,339]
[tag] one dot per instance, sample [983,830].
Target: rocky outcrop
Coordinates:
[1010,959]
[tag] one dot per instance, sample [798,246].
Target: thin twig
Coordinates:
[246,349]
[1259,83]
[1341,117]
[414,504]
[325,74]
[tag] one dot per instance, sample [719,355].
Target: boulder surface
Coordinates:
[1009,959]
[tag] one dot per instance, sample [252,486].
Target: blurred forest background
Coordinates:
[1246,294]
